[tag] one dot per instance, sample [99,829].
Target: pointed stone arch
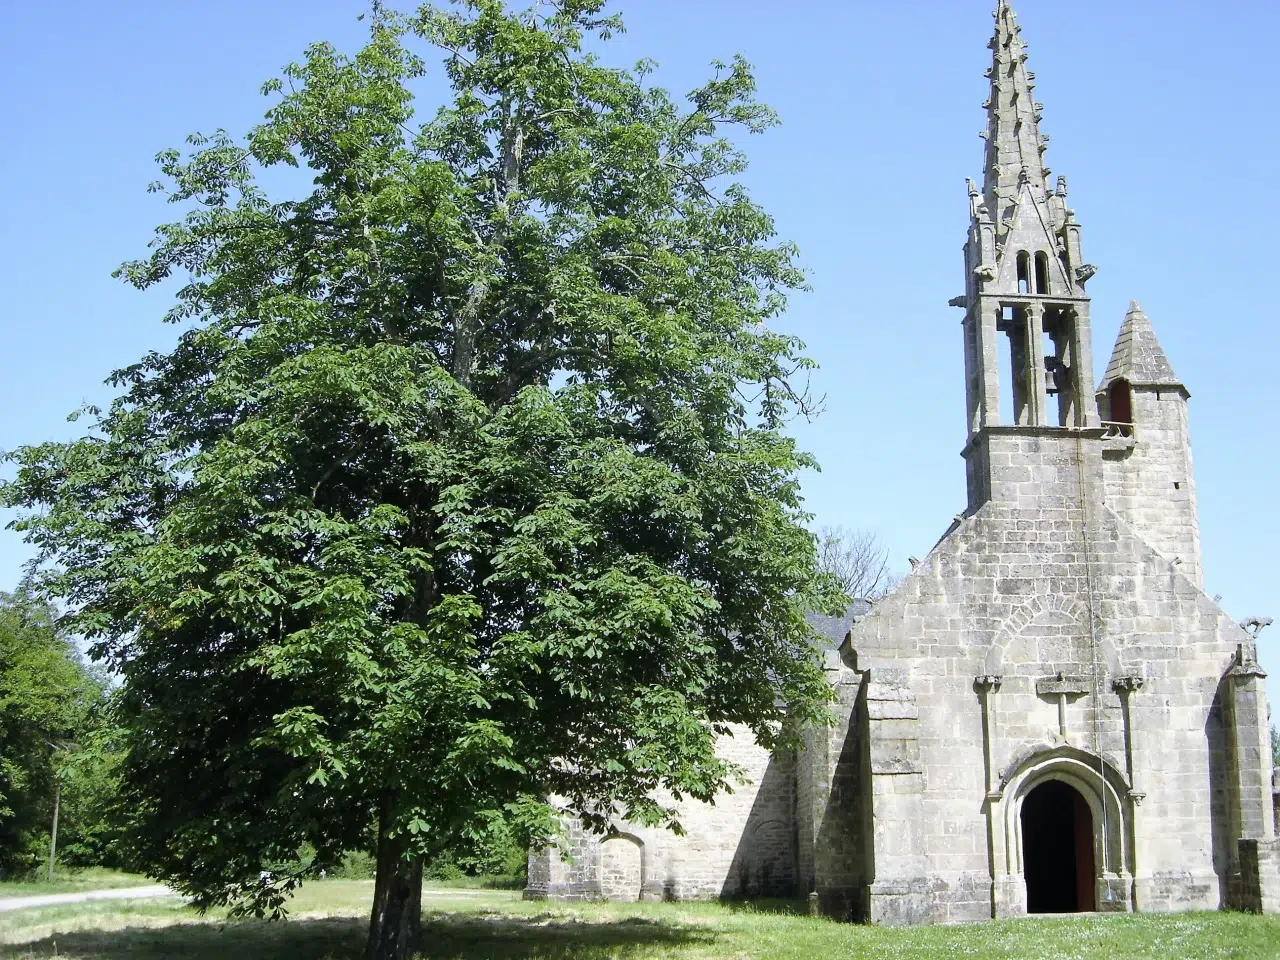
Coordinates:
[1105,790]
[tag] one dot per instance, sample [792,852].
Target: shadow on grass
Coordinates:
[551,936]
[446,937]
[788,908]
[328,939]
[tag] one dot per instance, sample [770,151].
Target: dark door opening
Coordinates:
[1057,850]
[1121,397]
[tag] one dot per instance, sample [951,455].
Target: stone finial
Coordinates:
[1247,662]
[1062,187]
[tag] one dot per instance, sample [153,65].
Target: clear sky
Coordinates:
[1162,114]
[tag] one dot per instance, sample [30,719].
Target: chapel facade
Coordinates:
[1048,714]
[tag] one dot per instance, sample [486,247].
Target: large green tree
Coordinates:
[465,486]
[49,702]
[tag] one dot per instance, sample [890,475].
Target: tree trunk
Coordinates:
[395,926]
[53,834]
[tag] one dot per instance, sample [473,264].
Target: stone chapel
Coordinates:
[1048,714]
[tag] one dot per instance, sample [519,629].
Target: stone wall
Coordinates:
[1008,594]
[743,844]
[834,805]
[1043,638]
[1151,483]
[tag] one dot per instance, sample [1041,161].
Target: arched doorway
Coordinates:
[1057,849]
[621,868]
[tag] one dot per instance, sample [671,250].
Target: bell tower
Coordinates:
[1025,278]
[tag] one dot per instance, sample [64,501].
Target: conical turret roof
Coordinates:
[1138,356]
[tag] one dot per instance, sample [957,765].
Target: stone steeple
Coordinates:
[1138,356]
[1015,146]
[1025,293]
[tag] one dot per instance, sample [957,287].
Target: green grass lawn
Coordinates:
[475,883]
[329,924]
[72,881]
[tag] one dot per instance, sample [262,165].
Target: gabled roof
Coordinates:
[832,630]
[1138,356]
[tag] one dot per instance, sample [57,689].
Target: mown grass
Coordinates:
[71,881]
[466,882]
[329,924]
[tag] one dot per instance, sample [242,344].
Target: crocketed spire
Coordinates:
[1015,147]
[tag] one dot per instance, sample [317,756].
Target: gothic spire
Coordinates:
[1015,148]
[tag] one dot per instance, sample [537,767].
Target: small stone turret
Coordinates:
[1148,472]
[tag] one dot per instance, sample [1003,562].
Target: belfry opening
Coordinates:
[1057,850]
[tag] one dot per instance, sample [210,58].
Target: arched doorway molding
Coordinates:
[1106,791]
[619,887]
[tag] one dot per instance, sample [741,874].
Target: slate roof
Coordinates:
[1138,356]
[832,630]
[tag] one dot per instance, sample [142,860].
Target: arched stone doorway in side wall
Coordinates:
[621,868]
[1058,849]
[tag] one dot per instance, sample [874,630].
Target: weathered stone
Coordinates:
[1051,669]
[1053,686]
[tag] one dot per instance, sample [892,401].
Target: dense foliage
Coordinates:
[465,486]
[52,731]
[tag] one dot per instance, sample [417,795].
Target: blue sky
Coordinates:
[1162,116]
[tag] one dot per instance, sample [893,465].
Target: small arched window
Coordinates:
[1024,272]
[1120,399]
[1042,272]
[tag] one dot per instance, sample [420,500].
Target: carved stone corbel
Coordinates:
[1126,687]
[987,685]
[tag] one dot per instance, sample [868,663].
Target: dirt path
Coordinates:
[159,890]
[58,899]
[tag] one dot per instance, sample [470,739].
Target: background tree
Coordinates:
[857,560]
[93,815]
[49,700]
[465,485]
